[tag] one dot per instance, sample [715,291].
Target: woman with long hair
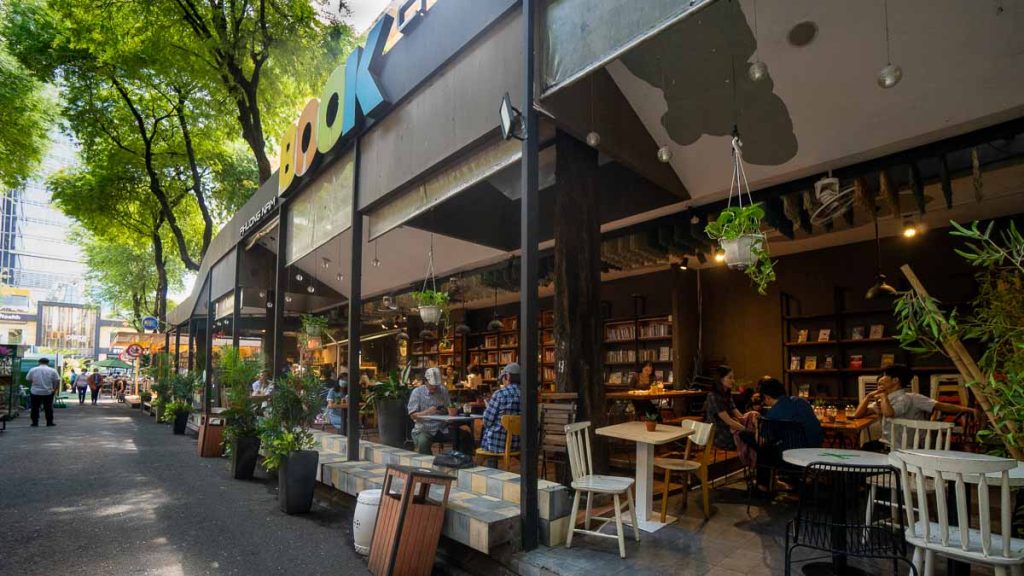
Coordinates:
[642,381]
[728,420]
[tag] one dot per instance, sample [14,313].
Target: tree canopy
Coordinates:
[25,116]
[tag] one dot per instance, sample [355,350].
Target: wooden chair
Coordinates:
[935,537]
[584,480]
[906,434]
[948,388]
[511,424]
[702,435]
[553,420]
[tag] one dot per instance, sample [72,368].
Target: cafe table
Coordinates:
[803,457]
[459,419]
[848,428]
[645,443]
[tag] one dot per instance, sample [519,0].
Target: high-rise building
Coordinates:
[37,250]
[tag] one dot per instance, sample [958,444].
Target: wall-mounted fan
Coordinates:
[833,200]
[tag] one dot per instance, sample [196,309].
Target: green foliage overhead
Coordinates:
[25,116]
[430,298]
[736,222]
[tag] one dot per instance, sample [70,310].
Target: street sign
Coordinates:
[134,351]
[150,323]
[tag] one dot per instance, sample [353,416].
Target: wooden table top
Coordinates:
[637,432]
[849,425]
[647,395]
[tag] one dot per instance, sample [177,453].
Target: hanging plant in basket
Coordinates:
[738,229]
[430,302]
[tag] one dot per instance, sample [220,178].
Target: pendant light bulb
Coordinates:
[270,304]
[340,277]
[890,76]
[758,71]
[664,155]
[310,289]
[298,277]
[288,299]
[325,264]
[593,139]
[376,263]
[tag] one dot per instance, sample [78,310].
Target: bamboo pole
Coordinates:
[967,367]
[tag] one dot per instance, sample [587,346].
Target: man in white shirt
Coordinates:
[45,382]
[891,400]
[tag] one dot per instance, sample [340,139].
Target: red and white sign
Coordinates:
[134,351]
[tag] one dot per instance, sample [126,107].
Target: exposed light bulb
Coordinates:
[288,299]
[719,256]
[340,277]
[593,139]
[909,231]
[758,71]
[270,304]
[325,264]
[310,289]
[299,277]
[664,155]
[376,262]
[685,264]
[890,76]
[263,294]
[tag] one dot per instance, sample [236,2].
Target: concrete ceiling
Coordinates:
[821,106]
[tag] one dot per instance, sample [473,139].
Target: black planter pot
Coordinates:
[296,479]
[180,422]
[392,421]
[245,452]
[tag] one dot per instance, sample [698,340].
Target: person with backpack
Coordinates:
[95,381]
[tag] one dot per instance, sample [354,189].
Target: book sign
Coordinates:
[150,323]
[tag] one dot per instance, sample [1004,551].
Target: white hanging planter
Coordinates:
[430,314]
[739,252]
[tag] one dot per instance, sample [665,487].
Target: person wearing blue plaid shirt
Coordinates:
[504,402]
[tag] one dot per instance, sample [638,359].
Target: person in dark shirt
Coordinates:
[782,407]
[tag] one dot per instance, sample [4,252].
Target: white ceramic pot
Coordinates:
[430,314]
[738,252]
[365,519]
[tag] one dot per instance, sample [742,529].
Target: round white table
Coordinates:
[804,456]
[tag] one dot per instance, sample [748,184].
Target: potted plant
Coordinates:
[453,408]
[241,437]
[177,411]
[738,231]
[287,443]
[651,421]
[389,400]
[431,304]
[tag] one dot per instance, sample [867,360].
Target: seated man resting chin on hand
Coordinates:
[432,399]
[891,400]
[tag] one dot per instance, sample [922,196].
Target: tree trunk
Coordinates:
[161,274]
[197,181]
[577,328]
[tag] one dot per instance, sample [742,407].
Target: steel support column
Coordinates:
[177,349]
[208,360]
[355,297]
[280,283]
[236,314]
[528,288]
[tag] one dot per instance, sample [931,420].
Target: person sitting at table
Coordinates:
[642,381]
[729,422]
[504,402]
[429,400]
[337,403]
[891,400]
[263,386]
[473,378]
[783,407]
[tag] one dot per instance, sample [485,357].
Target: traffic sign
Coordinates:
[150,323]
[134,350]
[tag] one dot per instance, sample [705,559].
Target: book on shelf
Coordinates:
[801,336]
[615,379]
[877,331]
[888,360]
[620,356]
[506,357]
[804,391]
[548,374]
[490,341]
[857,333]
[794,362]
[620,333]
[655,329]
[824,334]
[856,361]
[549,355]
[810,362]
[829,362]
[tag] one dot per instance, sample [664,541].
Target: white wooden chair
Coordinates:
[962,542]
[906,434]
[584,480]
[702,435]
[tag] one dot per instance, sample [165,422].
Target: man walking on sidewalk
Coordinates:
[45,382]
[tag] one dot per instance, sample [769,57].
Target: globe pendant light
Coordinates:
[758,70]
[495,325]
[891,74]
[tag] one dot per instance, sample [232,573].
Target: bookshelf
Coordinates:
[492,350]
[423,352]
[859,342]
[629,343]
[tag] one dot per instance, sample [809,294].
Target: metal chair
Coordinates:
[584,480]
[511,424]
[963,542]
[773,438]
[831,517]
[702,434]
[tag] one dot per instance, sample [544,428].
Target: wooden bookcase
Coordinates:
[631,342]
[422,352]
[867,335]
[492,350]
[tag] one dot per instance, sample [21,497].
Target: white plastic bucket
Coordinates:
[365,519]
